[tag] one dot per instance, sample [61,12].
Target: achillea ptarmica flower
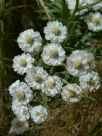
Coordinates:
[22,62]
[80,62]
[90,81]
[97,6]
[94,21]
[52,86]
[18,127]
[55,31]
[21,91]
[20,110]
[72,3]
[53,54]
[38,114]
[29,41]
[71,93]
[35,77]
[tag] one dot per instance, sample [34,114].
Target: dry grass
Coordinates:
[81,119]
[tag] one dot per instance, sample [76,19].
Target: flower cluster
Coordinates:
[79,63]
[94,17]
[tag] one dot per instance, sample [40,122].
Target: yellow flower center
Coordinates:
[50,84]
[72,93]
[23,62]
[19,124]
[21,95]
[38,114]
[77,64]
[56,31]
[29,40]
[91,82]
[95,21]
[53,53]
[38,77]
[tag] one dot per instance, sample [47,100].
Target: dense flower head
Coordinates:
[55,32]
[72,3]
[18,127]
[20,110]
[21,91]
[52,86]
[38,114]
[94,21]
[96,6]
[80,62]
[90,81]
[29,41]
[22,62]
[35,77]
[53,54]
[71,93]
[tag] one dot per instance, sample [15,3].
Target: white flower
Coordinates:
[80,62]
[94,21]
[21,91]
[29,40]
[55,31]
[90,81]
[72,3]
[53,54]
[20,110]
[22,62]
[35,77]
[52,86]
[18,127]
[71,93]
[39,114]
[97,6]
